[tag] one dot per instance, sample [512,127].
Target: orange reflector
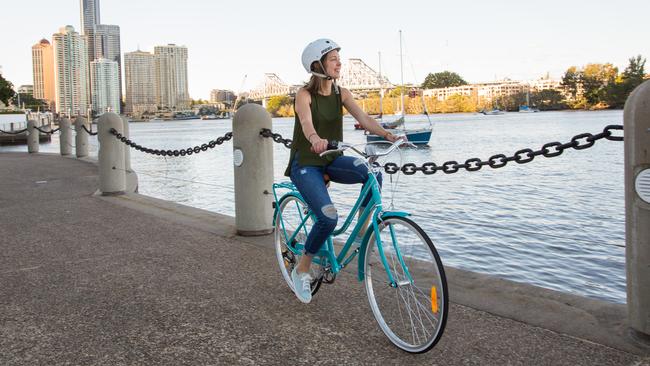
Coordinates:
[434,300]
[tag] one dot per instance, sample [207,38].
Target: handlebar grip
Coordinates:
[332,145]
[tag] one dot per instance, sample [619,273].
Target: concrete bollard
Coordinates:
[131,176]
[81,138]
[253,164]
[112,178]
[637,207]
[65,136]
[32,136]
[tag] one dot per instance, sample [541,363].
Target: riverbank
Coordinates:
[137,280]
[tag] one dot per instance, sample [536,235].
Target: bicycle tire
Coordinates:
[288,214]
[412,312]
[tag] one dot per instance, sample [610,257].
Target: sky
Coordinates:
[231,45]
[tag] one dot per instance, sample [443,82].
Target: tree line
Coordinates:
[593,86]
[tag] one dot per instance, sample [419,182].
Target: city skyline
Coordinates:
[481,43]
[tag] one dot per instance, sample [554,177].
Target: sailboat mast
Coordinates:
[401,72]
[381,92]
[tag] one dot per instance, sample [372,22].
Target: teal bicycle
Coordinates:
[404,277]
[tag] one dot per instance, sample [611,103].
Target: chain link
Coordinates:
[170,153]
[265,132]
[47,131]
[523,156]
[90,132]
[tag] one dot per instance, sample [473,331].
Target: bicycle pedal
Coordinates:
[329,278]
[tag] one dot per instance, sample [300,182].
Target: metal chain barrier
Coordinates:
[265,132]
[549,150]
[90,132]
[13,132]
[47,131]
[183,152]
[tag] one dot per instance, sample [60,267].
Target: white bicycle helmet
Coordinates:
[315,52]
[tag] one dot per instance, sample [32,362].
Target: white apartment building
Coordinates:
[219,95]
[43,71]
[487,92]
[546,84]
[105,86]
[492,90]
[70,71]
[26,89]
[106,44]
[171,77]
[140,85]
[444,93]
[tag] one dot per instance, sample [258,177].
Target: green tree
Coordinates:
[32,103]
[571,81]
[443,79]
[6,90]
[596,80]
[625,83]
[548,99]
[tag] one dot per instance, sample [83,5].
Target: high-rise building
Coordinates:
[106,44]
[105,86]
[171,77]
[103,39]
[89,18]
[89,15]
[139,82]
[70,71]
[43,71]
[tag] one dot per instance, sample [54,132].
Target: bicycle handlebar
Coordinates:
[335,146]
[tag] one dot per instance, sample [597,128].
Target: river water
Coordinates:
[555,222]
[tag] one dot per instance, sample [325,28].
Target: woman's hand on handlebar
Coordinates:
[392,138]
[318,145]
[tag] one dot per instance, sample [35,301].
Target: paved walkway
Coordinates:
[130,280]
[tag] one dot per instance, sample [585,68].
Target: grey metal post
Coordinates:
[637,207]
[32,136]
[112,178]
[65,136]
[253,160]
[81,138]
[131,176]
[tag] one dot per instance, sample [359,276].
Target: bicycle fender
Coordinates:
[277,203]
[364,243]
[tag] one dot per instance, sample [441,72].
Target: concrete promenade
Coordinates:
[132,280]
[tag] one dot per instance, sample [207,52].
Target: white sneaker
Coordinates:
[301,285]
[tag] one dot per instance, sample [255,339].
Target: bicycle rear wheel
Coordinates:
[412,308]
[293,217]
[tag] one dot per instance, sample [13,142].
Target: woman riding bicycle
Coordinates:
[319,118]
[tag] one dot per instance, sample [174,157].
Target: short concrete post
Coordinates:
[253,160]
[81,138]
[65,136]
[111,155]
[637,207]
[32,136]
[131,176]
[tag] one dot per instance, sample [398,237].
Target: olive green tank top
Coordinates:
[327,117]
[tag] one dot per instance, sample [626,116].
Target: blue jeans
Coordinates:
[311,185]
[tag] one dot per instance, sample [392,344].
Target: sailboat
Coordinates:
[415,136]
[389,123]
[526,108]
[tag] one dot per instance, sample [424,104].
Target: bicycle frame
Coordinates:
[327,256]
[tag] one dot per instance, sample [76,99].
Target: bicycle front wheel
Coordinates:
[292,225]
[406,285]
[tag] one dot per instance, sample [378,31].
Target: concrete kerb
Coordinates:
[588,319]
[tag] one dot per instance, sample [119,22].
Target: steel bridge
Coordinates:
[356,75]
